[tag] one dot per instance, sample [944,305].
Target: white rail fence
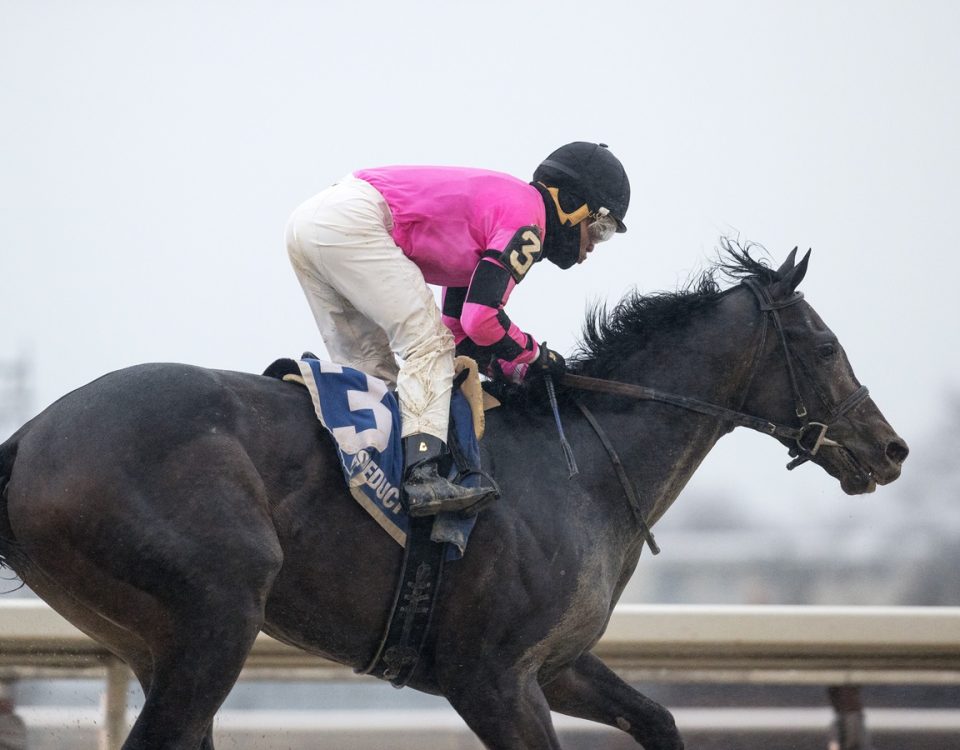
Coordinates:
[829,646]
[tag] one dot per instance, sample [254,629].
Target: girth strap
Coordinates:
[398,654]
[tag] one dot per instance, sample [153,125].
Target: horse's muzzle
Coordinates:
[861,470]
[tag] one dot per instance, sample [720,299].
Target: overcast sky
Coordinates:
[150,154]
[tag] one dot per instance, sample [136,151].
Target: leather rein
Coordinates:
[808,437]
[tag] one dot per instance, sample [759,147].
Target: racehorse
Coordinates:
[172,512]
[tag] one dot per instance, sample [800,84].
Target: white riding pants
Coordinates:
[371,302]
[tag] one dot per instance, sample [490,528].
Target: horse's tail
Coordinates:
[8,544]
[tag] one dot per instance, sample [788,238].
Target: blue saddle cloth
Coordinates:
[363,417]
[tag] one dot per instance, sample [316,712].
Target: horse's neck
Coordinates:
[713,359]
[659,445]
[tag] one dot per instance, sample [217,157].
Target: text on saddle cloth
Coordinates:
[363,417]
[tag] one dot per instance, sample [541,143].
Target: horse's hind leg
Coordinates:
[195,664]
[131,648]
[180,572]
[588,689]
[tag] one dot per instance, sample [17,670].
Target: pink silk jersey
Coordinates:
[476,233]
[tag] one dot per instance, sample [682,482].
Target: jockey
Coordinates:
[365,249]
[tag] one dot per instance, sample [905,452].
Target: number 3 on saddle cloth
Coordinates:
[363,417]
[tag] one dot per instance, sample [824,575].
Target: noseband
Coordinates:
[807,438]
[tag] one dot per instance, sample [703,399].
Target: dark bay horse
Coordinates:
[172,512]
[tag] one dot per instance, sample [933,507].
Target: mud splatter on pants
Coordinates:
[371,302]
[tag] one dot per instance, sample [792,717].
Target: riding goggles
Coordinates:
[602,226]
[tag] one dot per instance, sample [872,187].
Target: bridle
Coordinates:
[810,436]
[807,438]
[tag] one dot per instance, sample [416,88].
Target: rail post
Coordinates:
[114,728]
[849,732]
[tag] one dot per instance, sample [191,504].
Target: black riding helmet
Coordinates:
[592,172]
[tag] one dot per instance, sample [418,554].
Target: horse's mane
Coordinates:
[609,335]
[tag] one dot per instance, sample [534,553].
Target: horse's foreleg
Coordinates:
[505,712]
[588,689]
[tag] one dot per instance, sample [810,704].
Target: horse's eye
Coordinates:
[826,350]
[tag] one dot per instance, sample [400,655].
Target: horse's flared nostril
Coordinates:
[897,451]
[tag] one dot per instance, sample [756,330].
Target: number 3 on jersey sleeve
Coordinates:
[522,251]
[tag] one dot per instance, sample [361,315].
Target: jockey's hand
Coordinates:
[548,362]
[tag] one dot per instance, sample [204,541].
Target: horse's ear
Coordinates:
[789,283]
[787,264]
[800,270]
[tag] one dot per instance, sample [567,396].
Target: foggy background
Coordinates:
[150,154]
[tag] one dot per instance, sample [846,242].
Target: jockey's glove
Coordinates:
[548,362]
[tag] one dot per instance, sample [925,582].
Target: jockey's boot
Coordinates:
[426,492]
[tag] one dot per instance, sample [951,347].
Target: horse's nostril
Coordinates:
[897,451]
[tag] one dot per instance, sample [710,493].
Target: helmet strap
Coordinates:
[561,243]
